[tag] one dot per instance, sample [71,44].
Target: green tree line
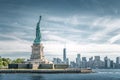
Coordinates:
[5,61]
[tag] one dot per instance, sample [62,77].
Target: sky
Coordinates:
[86,27]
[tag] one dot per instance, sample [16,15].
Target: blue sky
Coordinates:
[88,27]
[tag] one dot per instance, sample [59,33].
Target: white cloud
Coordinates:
[14,46]
[107,25]
[56,38]
[71,20]
[115,38]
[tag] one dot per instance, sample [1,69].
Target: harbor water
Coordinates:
[103,74]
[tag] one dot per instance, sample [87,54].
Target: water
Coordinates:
[99,75]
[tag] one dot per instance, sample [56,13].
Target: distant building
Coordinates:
[67,61]
[91,62]
[84,62]
[112,64]
[84,59]
[78,61]
[57,61]
[97,62]
[64,56]
[117,62]
[107,62]
[97,58]
[72,64]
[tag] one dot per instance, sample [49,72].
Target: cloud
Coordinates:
[108,25]
[96,30]
[17,45]
[115,39]
[72,20]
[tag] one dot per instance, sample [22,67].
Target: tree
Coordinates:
[5,63]
[19,60]
[1,65]
[0,59]
[7,60]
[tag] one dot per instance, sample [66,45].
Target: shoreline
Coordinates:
[45,71]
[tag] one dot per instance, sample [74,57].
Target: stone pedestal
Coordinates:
[37,52]
[37,56]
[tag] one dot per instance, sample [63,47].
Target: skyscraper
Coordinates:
[117,62]
[84,62]
[107,62]
[111,64]
[67,61]
[90,62]
[78,61]
[64,55]
[97,58]
[98,63]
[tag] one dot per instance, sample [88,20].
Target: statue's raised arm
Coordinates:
[40,19]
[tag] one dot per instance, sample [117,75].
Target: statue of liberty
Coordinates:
[38,33]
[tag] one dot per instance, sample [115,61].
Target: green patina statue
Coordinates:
[38,34]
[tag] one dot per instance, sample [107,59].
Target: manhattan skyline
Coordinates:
[88,27]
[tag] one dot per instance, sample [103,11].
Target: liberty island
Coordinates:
[37,59]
